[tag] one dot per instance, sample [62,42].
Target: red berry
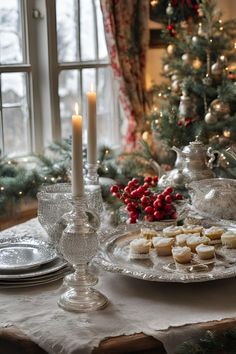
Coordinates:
[174,215]
[127,190]
[161,197]
[132,221]
[157,215]
[133,194]
[131,184]
[117,195]
[114,189]
[168,190]
[168,199]
[140,190]
[127,201]
[145,185]
[178,196]
[168,207]
[157,204]
[148,179]
[149,210]
[144,200]
[155,179]
[149,218]
[130,207]
[135,181]
[133,215]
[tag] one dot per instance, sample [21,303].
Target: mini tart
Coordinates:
[205,251]
[163,245]
[194,240]
[182,254]
[172,231]
[181,239]
[192,229]
[214,232]
[228,239]
[148,234]
[139,246]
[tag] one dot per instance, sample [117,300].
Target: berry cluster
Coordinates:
[144,202]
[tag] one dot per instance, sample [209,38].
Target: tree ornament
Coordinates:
[200,31]
[187,109]
[223,60]
[175,86]
[170,49]
[169,10]
[186,58]
[171,30]
[166,68]
[220,109]
[174,77]
[210,118]
[217,70]
[195,40]
[197,63]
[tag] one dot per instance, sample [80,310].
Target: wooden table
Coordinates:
[13,341]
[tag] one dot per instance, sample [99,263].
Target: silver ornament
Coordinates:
[174,77]
[166,68]
[169,10]
[186,58]
[178,178]
[210,118]
[175,86]
[216,69]
[220,108]
[195,39]
[186,107]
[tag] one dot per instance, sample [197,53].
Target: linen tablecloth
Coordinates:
[135,306]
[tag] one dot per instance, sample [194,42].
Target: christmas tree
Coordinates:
[199,93]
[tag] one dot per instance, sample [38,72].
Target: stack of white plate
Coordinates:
[27,261]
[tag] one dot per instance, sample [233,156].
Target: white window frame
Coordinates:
[42,66]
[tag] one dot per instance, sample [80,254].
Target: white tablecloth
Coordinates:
[135,306]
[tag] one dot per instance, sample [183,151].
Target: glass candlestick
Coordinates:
[78,245]
[93,188]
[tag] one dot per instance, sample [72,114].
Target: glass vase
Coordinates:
[78,245]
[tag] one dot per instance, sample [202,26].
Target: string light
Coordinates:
[226,133]
[9,162]
[234,45]
[154,2]
[221,28]
[52,179]
[20,193]
[159,94]
[45,178]
[107,152]
[2,188]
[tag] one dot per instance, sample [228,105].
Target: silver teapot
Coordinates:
[194,159]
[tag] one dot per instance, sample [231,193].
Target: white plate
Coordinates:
[24,253]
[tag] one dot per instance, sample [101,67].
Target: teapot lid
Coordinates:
[194,146]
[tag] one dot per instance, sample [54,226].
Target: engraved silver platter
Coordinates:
[24,253]
[113,256]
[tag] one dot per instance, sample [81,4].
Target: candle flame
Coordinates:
[76,108]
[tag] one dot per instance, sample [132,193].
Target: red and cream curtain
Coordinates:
[126,30]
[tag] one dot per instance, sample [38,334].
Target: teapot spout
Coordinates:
[178,151]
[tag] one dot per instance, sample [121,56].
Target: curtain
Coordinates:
[126,30]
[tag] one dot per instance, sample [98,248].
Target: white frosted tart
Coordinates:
[181,239]
[214,232]
[172,231]
[205,251]
[192,229]
[194,240]
[228,239]
[182,254]
[139,248]
[148,233]
[163,245]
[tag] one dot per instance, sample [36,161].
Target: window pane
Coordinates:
[102,47]
[16,124]
[89,81]
[108,125]
[67,30]
[11,46]
[69,88]
[87,30]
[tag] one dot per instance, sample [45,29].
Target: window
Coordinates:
[51,51]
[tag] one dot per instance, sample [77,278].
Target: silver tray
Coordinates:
[113,257]
[24,253]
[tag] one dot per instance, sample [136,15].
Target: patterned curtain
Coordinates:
[126,29]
